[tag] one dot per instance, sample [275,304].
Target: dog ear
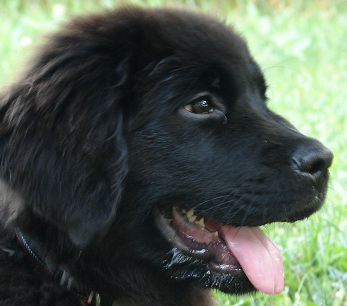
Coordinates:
[66,154]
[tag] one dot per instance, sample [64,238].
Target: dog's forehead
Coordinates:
[199,40]
[196,34]
[155,33]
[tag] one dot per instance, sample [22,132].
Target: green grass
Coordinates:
[302,48]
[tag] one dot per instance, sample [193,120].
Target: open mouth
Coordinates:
[225,249]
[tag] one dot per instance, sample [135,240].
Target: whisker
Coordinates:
[210,200]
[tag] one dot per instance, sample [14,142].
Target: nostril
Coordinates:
[312,159]
[317,165]
[310,164]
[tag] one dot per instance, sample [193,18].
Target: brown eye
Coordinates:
[202,105]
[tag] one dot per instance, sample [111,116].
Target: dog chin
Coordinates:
[181,267]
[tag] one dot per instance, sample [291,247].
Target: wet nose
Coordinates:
[312,159]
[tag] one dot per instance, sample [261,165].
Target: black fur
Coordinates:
[96,138]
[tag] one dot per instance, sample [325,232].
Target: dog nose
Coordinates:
[312,159]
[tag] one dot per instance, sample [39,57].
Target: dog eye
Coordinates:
[202,105]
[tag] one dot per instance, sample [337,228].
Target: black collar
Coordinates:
[60,275]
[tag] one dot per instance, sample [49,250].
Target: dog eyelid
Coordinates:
[203,106]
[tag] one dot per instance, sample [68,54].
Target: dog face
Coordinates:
[145,134]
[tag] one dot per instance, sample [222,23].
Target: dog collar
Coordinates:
[59,274]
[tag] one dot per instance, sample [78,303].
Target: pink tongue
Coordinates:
[258,256]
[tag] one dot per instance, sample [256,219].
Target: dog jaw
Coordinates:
[224,249]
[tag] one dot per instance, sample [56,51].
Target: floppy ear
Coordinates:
[66,154]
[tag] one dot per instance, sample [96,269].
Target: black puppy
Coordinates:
[138,158]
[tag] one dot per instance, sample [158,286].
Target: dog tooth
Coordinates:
[201,222]
[191,217]
[190,213]
[215,234]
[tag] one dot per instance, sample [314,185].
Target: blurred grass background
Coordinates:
[302,48]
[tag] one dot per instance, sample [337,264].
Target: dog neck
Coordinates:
[38,255]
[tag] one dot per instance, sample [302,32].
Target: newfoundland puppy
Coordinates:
[138,160]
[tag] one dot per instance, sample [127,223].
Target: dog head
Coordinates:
[146,134]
